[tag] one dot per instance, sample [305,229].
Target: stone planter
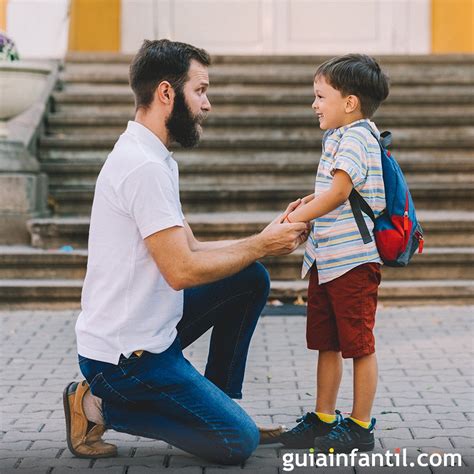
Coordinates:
[25,88]
[21,85]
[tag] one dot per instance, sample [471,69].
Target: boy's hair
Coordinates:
[162,60]
[359,75]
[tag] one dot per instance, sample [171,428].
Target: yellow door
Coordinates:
[452,26]
[95,25]
[3,15]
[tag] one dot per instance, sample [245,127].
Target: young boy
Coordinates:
[344,272]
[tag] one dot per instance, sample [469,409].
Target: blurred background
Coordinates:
[261,143]
[50,28]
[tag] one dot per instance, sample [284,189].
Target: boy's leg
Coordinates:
[231,307]
[321,335]
[365,386]
[162,396]
[354,300]
[328,380]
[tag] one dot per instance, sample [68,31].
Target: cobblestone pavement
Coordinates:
[424,401]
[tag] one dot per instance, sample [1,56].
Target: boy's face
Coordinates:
[329,105]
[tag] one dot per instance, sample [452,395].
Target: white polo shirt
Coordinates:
[127,305]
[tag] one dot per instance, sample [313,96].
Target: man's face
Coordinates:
[190,107]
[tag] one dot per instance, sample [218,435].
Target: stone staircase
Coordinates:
[260,150]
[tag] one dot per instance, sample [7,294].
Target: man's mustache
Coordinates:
[200,118]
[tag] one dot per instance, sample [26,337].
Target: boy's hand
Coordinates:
[305,200]
[290,208]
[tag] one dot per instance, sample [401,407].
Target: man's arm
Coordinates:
[197,245]
[183,267]
[326,202]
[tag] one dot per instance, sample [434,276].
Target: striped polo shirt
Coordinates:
[335,243]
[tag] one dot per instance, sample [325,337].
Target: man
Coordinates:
[152,288]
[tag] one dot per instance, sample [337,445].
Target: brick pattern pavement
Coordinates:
[424,402]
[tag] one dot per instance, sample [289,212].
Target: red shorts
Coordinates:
[341,312]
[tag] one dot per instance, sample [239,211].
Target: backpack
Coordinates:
[397,232]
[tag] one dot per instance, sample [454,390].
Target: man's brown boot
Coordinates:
[270,434]
[84,438]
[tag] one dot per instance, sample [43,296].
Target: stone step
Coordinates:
[429,116]
[442,229]
[67,167]
[433,264]
[395,293]
[303,138]
[66,294]
[77,200]
[417,59]
[281,74]
[111,96]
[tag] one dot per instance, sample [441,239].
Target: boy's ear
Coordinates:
[352,103]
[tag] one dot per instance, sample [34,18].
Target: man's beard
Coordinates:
[182,126]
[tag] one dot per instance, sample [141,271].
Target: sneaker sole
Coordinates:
[67,416]
[362,448]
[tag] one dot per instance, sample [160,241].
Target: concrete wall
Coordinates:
[282,26]
[40,27]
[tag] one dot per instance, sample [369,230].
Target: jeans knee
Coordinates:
[260,278]
[249,439]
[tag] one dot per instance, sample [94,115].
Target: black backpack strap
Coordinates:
[358,203]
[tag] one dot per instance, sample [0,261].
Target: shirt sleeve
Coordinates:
[149,196]
[351,157]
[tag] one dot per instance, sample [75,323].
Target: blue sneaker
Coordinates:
[308,428]
[345,437]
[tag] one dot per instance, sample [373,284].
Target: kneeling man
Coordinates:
[151,288]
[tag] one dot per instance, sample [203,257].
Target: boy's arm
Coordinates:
[326,202]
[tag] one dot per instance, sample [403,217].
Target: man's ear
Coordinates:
[352,103]
[164,93]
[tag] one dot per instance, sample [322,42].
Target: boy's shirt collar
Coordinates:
[338,132]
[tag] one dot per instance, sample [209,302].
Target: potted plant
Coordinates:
[21,82]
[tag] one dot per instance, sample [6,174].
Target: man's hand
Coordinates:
[295,205]
[279,238]
[304,235]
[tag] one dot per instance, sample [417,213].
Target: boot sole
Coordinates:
[67,416]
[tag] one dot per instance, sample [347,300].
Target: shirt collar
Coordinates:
[340,131]
[147,137]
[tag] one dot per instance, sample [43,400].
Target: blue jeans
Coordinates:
[162,396]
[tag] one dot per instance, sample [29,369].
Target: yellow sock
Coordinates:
[364,424]
[326,418]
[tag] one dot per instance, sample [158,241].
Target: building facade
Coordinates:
[51,28]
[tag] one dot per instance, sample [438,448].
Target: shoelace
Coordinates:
[342,430]
[303,423]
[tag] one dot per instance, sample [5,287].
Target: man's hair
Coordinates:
[162,60]
[359,75]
